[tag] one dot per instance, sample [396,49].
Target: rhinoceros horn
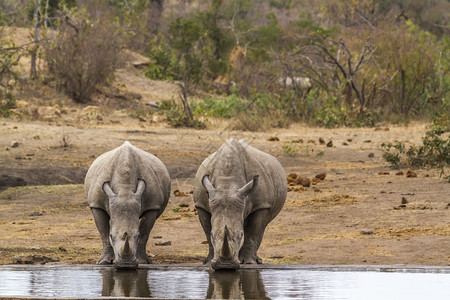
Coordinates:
[226,247]
[140,188]
[249,187]
[207,184]
[126,250]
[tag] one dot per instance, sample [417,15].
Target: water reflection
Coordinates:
[76,282]
[125,283]
[245,284]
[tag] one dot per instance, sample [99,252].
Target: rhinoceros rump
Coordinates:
[127,189]
[238,191]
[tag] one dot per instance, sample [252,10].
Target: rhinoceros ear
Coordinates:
[207,184]
[140,188]
[249,187]
[107,189]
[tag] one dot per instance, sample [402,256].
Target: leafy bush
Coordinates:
[9,58]
[433,152]
[220,107]
[7,104]
[176,116]
[83,55]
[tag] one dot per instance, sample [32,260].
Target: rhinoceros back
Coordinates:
[123,167]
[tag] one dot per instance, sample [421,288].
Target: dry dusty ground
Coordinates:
[351,217]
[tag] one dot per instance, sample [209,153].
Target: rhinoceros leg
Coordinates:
[147,221]
[254,227]
[205,220]
[102,222]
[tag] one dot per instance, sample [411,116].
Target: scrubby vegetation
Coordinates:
[433,152]
[326,63]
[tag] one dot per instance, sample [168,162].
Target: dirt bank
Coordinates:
[354,216]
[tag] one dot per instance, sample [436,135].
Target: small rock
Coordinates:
[349,140]
[383,173]
[366,232]
[205,243]
[344,144]
[277,256]
[7,149]
[321,141]
[399,173]
[330,144]
[368,141]
[371,155]
[402,205]
[411,174]
[163,243]
[142,119]
[448,206]
[35,214]
[273,139]
[183,204]
[14,144]
[62,249]
[321,176]
[157,237]
[152,104]
[404,201]
[36,137]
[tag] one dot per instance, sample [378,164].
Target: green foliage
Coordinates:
[226,107]
[176,116]
[9,58]
[289,149]
[331,114]
[164,64]
[7,104]
[433,152]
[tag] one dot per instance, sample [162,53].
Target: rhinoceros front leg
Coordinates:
[146,224]
[101,218]
[205,220]
[253,233]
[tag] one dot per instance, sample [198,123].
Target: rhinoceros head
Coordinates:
[227,204]
[124,209]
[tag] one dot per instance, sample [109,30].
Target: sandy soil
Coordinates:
[353,216]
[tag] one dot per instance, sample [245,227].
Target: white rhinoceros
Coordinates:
[127,189]
[238,191]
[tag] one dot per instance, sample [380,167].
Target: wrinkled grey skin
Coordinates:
[238,191]
[127,189]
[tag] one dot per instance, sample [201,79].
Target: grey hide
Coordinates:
[127,189]
[238,191]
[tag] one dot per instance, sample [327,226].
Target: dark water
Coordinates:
[244,284]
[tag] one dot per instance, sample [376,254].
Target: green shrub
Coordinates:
[176,116]
[227,107]
[433,152]
[7,104]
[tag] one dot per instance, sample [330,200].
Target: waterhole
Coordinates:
[249,283]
